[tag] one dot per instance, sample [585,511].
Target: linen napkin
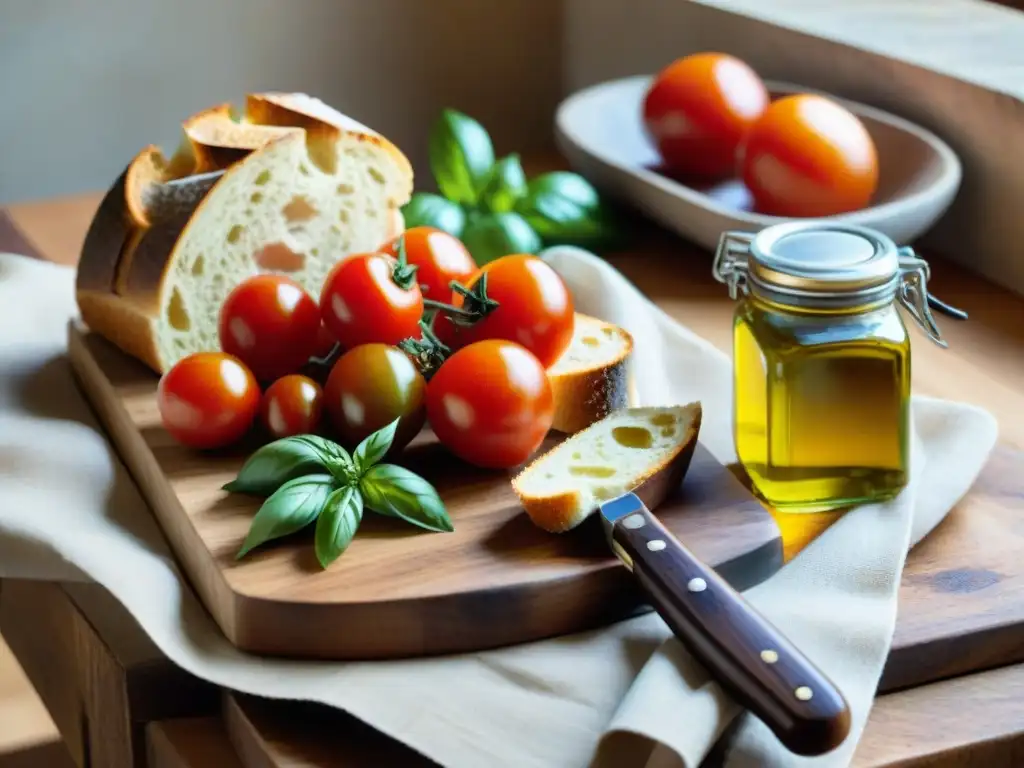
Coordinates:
[625,695]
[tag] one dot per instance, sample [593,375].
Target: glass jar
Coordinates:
[821,391]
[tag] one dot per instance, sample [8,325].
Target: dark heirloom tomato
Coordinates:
[361,302]
[369,387]
[439,256]
[208,400]
[491,404]
[292,406]
[271,324]
[535,308]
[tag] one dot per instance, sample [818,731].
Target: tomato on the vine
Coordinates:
[534,308]
[271,324]
[208,400]
[491,403]
[371,298]
[292,406]
[439,257]
[369,387]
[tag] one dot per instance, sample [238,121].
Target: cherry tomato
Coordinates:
[292,406]
[208,400]
[535,308]
[698,110]
[325,343]
[271,324]
[362,303]
[808,157]
[369,387]
[491,404]
[439,256]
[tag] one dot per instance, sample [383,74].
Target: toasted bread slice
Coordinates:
[644,450]
[592,378]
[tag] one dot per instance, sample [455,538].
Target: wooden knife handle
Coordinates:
[748,656]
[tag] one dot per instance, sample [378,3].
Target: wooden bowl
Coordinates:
[600,130]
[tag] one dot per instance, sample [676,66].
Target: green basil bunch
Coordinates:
[307,478]
[491,206]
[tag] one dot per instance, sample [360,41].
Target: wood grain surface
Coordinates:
[496,580]
[970,722]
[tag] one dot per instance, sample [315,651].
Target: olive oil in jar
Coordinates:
[822,362]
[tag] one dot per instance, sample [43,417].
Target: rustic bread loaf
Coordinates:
[593,377]
[291,189]
[644,450]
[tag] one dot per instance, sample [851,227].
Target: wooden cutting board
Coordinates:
[397,591]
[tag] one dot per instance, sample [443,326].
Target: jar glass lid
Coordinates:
[822,256]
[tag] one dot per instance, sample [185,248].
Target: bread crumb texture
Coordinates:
[275,211]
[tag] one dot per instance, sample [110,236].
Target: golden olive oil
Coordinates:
[821,396]
[821,403]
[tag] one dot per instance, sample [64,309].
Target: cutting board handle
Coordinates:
[748,656]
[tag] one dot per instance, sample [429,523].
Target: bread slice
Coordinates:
[593,376]
[162,253]
[644,450]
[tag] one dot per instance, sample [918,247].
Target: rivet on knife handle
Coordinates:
[748,656]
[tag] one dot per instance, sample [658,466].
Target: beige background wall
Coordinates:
[84,85]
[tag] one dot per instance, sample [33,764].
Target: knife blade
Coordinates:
[751,659]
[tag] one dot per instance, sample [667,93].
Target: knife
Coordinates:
[750,658]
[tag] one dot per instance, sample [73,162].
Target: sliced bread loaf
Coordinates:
[162,252]
[644,450]
[593,376]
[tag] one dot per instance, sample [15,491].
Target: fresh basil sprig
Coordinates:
[307,478]
[492,206]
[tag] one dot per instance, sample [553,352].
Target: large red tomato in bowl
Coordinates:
[698,111]
[808,156]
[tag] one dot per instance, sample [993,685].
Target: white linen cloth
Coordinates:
[626,695]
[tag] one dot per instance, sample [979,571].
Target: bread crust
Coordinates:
[560,512]
[219,142]
[123,323]
[584,396]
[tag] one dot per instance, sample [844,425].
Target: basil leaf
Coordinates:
[492,236]
[427,210]
[564,207]
[291,508]
[396,492]
[374,447]
[505,184]
[337,524]
[461,155]
[285,459]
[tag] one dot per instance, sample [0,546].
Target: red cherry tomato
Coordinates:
[535,308]
[325,343]
[369,387]
[362,303]
[271,324]
[292,406]
[699,108]
[439,256]
[491,404]
[208,400]
[809,157]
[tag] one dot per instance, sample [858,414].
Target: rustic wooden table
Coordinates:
[118,702]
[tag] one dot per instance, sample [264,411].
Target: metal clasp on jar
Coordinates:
[913,294]
[730,266]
